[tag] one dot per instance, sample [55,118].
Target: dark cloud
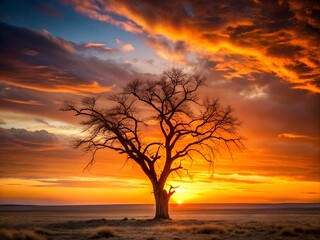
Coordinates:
[175,52]
[33,154]
[39,72]
[21,138]
[54,65]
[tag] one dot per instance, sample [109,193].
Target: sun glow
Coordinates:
[179,202]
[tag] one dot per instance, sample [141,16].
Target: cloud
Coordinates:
[41,154]
[13,137]
[38,61]
[83,182]
[306,12]
[278,37]
[60,42]
[127,47]
[28,102]
[97,12]
[174,52]
[297,136]
[102,48]
[98,48]
[30,52]
[94,44]
[34,154]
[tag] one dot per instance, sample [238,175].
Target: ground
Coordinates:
[299,227]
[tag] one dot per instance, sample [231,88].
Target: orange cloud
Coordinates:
[93,44]
[127,47]
[123,47]
[29,102]
[297,136]
[266,45]
[93,87]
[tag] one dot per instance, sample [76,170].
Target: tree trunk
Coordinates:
[162,204]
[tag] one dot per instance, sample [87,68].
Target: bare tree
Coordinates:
[190,127]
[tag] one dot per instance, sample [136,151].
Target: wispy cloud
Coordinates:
[102,48]
[94,44]
[28,102]
[98,12]
[297,136]
[87,182]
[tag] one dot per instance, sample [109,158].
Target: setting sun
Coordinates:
[179,202]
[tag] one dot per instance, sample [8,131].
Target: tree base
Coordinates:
[162,218]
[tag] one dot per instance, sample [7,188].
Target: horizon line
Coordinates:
[117,204]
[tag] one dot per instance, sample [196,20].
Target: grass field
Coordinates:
[299,227]
[190,222]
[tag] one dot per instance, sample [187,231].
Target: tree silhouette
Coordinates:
[190,127]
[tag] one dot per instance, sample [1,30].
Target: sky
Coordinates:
[261,57]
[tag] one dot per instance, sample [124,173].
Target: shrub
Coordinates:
[210,229]
[287,233]
[6,234]
[103,232]
[30,235]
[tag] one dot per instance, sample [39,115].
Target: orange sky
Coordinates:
[262,60]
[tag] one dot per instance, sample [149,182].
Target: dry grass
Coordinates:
[300,230]
[215,238]
[241,231]
[210,229]
[6,234]
[124,229]
[197,229]
[287,232]
[103,232]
